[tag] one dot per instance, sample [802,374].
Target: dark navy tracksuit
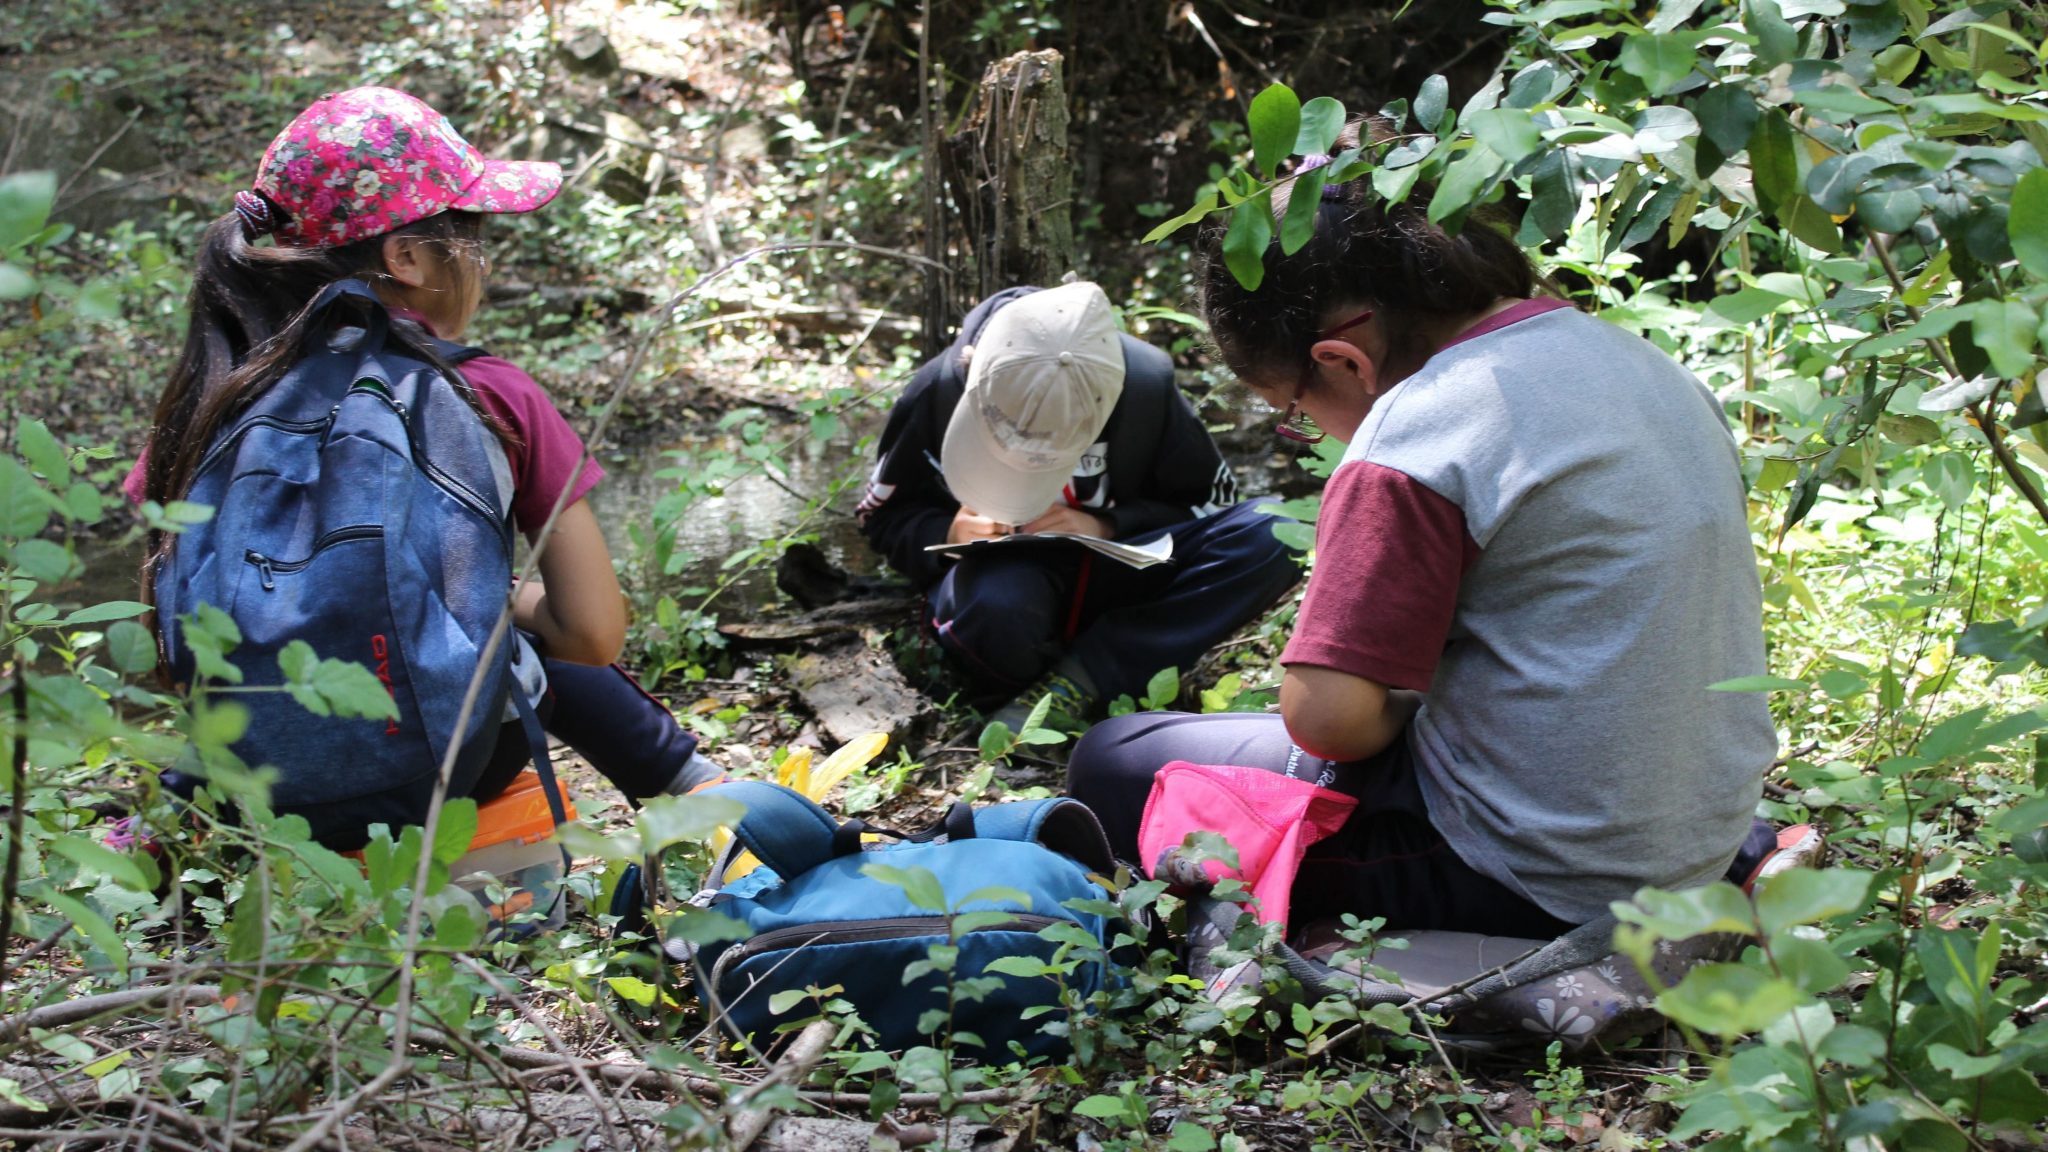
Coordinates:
[1007,616]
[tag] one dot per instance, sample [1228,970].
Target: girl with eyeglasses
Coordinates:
[1531,563]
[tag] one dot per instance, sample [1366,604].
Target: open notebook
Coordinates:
[1136,555]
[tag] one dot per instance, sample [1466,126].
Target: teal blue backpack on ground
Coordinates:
[816,919]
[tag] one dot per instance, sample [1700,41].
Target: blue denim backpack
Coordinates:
[357,508]
[816,919]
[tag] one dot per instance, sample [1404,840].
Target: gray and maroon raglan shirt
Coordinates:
[1544,530]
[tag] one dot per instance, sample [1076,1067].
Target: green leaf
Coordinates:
[1196,214]
[91,925]
[1275,122]
[131,647]
[15,284]
[1163,689]
[1322,120]
[334,687]
[2027,223]
[1556,200]
[2005,330]
[1810,965]
[1510,132]
[84,502]
[103,612]
[97,858]
[999,895]
[454,830]
[43,561]
[1747,305]
[1961,1065]
[1776,40]
[665,821]
[1773,166]
[44,453]
[1806,896]
[1690,912]
[1464,183]
[1661,62]
[22,510]
[995,741]
[1244,245]
[1758,684]
[1431,100]
[919,886]
[1302,202]
[1853,1045]
[1835,182]
[1810,223]
[1728,999]
[1889,210]
[1100,1107]
[1958,394]
[26,199]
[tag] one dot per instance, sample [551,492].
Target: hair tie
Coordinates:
[1311,163]
[257,217]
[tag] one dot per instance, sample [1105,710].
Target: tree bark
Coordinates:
[1012,177]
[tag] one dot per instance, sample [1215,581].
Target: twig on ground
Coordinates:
[804,1053]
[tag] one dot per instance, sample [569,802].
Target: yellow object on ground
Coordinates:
[795,772]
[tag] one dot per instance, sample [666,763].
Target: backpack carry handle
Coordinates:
[783,828]
[957,824]
[376,318]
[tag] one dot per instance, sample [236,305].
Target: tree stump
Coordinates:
[1012,179]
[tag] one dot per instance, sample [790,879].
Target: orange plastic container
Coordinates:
[511,850]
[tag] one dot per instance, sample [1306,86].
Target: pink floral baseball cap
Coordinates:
[367,161]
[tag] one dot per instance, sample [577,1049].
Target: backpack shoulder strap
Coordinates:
[790,834]
[1064,825]
[452,353]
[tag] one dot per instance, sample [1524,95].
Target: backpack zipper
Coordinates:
[462,493]
[267,567]
[294,426]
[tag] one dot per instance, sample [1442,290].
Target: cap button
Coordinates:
[1066,357]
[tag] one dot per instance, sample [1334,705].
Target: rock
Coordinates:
[101,149]
[589,52]
[631,170]
[806,575]
[853,689]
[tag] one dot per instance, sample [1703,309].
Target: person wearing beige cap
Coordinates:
[1043,416]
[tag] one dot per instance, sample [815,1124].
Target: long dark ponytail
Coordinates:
[1363,250]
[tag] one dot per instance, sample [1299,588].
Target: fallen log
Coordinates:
[843,619]
[853,690]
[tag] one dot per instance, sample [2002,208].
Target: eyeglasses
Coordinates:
[1296,425]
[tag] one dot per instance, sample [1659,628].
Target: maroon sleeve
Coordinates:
[136,483]
[546,458]
[1389,555]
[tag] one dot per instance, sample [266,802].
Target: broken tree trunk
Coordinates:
[1012,178]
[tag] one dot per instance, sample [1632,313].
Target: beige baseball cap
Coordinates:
[1046,374]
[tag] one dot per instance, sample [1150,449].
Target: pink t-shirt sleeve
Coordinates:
[547,456]
[135,484]
[1389,555]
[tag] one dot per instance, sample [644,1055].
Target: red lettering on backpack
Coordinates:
[380,651]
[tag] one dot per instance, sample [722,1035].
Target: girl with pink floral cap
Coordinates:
[373,185]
